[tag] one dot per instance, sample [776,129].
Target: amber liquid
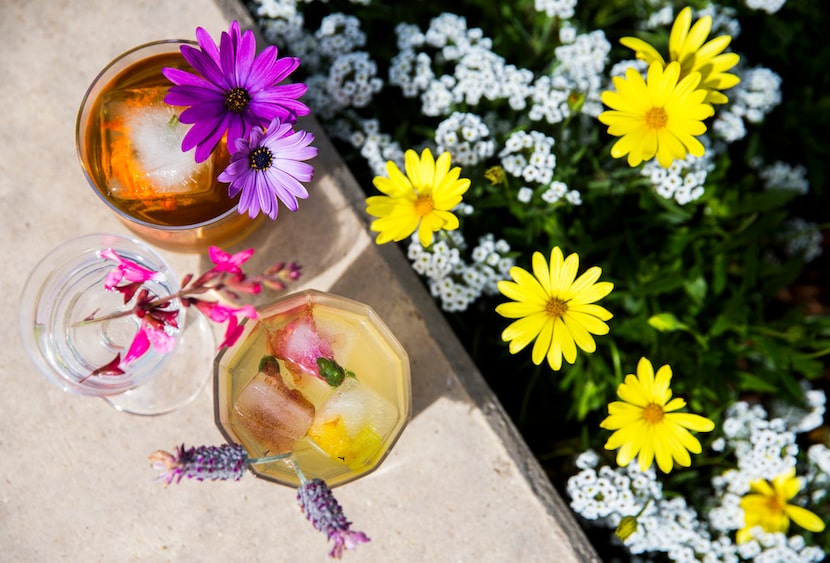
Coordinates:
[110,167]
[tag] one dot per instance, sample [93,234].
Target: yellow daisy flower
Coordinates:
[554,307]
[766,506]
[420,200]
[645,422]
[686,47]
[657,116]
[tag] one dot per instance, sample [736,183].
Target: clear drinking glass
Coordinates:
[129,145]
[66,287]
[269,398]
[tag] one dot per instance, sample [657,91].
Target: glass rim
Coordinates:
[30,304]
[79,134]
[332,300]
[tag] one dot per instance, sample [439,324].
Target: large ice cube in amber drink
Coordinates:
[141,147]
[319,377]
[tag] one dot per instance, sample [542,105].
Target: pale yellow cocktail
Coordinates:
[272,395]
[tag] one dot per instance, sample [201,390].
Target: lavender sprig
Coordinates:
[225,462]
[325,513]
[230,461]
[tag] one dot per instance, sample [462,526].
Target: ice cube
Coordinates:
[299,344]
[142,154]
[353,422]
[272,414]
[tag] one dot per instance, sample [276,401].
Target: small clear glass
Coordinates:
[66,287]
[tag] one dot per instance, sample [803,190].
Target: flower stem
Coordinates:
[300,474]
[267,459]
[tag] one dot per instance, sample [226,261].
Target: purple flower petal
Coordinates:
[234,64]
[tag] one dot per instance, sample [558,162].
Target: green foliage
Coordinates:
[701,286]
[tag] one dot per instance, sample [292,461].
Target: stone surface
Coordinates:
[75,483]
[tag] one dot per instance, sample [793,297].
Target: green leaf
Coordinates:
[751,382]
[666,322]
[332,372]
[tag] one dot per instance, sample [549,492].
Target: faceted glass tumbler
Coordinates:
[335,433]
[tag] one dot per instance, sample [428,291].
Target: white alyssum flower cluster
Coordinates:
[757,94]
[582,63]
[782,176]
[529,156]
[762,447]
[453,280]
[802,238]
[768,6]
[376,147]
[466,137]
[685,180]
[563,9]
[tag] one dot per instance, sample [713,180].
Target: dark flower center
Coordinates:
[237,99]
[260,158]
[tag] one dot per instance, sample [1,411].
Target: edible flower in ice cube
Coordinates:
[299,344]
[333,437]
[233,91]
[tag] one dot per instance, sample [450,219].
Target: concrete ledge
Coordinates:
[459,485]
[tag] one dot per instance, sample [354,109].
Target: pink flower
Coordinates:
[220,313]
[226,262]
[148,335]
[127,270]
[299,344]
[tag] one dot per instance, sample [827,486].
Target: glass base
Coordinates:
[183,377]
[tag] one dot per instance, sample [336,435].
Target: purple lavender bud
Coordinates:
[225,462]
[325,513]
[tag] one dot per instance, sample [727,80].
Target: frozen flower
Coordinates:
[646,425]
[767,506]
[267,168]
[420,200]
[659,116]
[686,47]
[233,92]
[554,308]
[225,462]
[325,513]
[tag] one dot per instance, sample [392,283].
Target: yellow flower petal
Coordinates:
[560,306]
[400,212]
[804,518]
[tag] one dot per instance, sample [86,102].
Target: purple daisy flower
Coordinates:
[266,167]
[234,90]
